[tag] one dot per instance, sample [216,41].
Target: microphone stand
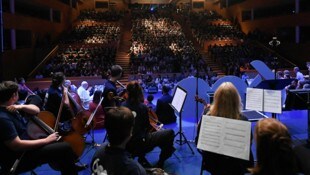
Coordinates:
[274,43]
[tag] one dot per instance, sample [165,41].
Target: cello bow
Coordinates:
[90,119]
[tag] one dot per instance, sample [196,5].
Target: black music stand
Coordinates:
[177,104]
[275,84]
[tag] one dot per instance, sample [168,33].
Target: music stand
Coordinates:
[275,84]
[177,104]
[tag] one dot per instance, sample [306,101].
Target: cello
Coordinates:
[154,122]
[81,116]
[46,122]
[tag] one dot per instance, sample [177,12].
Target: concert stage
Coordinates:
[184,162]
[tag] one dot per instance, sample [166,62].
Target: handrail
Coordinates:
[274,52]
[46,58]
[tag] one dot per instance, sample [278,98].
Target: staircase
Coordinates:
[188,33]
[122,57]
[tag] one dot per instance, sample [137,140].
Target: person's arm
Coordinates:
[27,108]
[22,145]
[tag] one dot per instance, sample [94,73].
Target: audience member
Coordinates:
[299,75]
[287,74]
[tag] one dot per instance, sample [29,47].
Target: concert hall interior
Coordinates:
[195,86]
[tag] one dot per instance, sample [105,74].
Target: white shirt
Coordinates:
[85,97]
[300,76]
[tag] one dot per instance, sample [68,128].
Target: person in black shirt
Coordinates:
[142,140]
[14,140]
[110,91]
[112,158]
[164,111]
[55,94]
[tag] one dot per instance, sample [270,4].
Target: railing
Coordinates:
[42,63]
[276,53]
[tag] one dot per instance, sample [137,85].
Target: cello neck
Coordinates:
[75,104]
[42,125]
[59,114]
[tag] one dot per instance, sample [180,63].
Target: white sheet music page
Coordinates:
[225,136]
[272,101]
[178,99]
[254,99]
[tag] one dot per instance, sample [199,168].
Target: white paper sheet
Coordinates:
[178,99]
[272,101]
[264,100]
[254,99]
[225,136]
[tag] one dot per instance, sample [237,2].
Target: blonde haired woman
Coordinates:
[227,104]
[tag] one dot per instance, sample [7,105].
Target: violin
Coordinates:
[206,107]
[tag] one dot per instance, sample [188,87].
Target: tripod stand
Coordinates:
[181,134]
[91,133]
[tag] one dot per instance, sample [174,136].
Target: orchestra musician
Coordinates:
[112,157]
[227,104]
[110,89]
[16,145]
[54,96]
[142,140]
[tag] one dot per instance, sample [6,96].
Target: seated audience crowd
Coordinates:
[160,46]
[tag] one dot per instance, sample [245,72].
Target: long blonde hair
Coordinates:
[227,102]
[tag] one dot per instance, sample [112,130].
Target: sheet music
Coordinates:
[178,99]
[225,136]
[254,99]
[272,101]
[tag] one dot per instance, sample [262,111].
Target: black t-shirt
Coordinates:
[109,86]
[142,123]
[53,103]
[12,125]
[114,161]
